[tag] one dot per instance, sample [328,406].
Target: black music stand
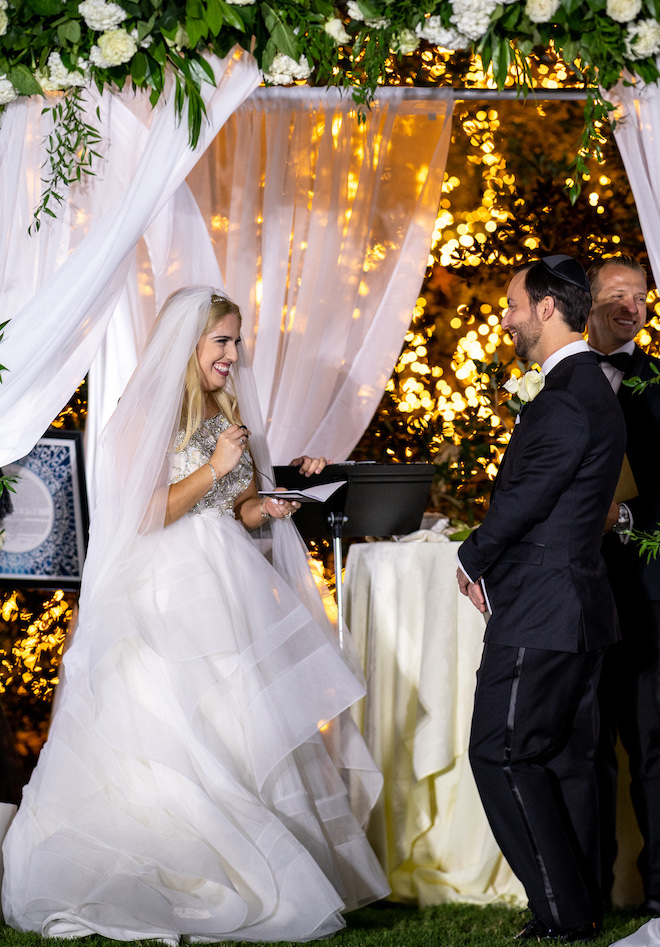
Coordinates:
[377,500]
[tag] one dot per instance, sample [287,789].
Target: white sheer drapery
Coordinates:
[322,227]
[637,134]
[61,286]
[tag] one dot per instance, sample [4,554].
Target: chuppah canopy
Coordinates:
[319,225]
[169,60]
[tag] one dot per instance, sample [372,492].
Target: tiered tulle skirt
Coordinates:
[202,778]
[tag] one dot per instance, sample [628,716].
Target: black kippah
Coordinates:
[566,268]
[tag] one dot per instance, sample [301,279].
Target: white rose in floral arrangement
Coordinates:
[284,70]
[101,16]
[7,92]
[4,22]
[375,22]
[432,30]
[3,4]
[354,11]
[472,17]
[643,39]
[335,28]
[114,48]
[623,11]
[405,42]
[540,11]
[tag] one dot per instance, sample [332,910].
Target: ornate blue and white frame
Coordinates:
[45,537]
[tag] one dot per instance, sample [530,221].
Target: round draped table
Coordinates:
[420,642]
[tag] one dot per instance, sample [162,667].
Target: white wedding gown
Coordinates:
[648,935]
[200,777]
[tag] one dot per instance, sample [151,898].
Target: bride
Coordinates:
[202,778]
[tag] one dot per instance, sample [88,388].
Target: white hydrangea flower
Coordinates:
[472,17]
[7,92]
[623,11]
[335,28]
[375,23]
[101,15]
[4,22]
[643,39]
[405,42]
[46,83]
[114,48]
[284,70]
[432,30]
[3,4]
[59,76]
[56,69]
[540,11]
[96,59]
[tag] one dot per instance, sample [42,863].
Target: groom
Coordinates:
[535,565]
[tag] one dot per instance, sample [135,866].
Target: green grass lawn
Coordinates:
[396,925]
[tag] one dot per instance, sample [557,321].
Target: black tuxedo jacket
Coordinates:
[642,416]
[538,549]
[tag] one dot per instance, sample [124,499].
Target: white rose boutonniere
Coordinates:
[527,387]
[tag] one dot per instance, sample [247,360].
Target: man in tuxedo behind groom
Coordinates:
[629,690]
[534,564]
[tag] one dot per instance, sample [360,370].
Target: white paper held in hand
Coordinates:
[318,494]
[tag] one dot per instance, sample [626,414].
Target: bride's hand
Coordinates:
[229,449]
[279,509]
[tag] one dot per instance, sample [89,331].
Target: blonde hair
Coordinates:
[192,411]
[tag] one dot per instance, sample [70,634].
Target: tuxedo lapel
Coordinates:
[553,378]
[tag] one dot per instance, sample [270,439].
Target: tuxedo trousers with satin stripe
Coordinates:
[629,698]
[532,747]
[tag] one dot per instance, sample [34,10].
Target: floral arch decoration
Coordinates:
[59,46]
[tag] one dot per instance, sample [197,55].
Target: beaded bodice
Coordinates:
[196,453]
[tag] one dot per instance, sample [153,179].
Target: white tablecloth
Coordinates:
[420,642]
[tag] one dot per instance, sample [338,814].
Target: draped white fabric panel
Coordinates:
[176,251]
[322,227]
[637,134]
[61,286]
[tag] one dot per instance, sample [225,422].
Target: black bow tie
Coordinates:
[619,360]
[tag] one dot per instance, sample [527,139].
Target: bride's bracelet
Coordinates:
[264,514]
[215,476]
